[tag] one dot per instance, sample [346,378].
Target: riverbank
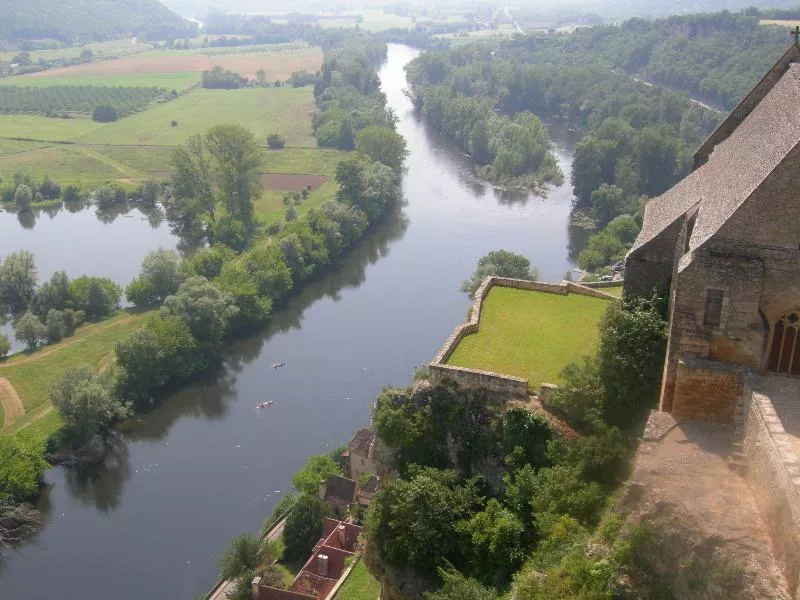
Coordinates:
[344,336]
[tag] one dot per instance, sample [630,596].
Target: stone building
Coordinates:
[358,454]
[725,241]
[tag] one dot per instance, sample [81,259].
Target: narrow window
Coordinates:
[713,307]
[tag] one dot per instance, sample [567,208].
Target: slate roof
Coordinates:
[361,441]
[738,165]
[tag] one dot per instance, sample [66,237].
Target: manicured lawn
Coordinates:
[360,585]
[263,111]
[531,334]
[615,290]
[168,81]
[44,128]
[93,345]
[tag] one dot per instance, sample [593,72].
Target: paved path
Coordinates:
[12,405]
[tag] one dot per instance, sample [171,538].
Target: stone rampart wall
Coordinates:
[774,471]
[497,382]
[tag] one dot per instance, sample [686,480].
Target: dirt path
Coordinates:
[65,344]
[12,405]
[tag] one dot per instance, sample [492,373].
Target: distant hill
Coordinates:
[90,20]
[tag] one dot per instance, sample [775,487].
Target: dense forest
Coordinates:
[637,139]
[90,20]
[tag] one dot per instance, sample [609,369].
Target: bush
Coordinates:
[242,557]
[500,263]
[303,527]
[291,214]
[29,329]
[231,233]
[72,194]
[104,113]
[23,197]
[22,466]
[276,141]
[55,325]
[5,346]
[317,468]
[96,297]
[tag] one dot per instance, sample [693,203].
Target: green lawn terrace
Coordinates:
[527,333]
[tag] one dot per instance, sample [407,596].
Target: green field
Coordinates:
[93,345]
[359,585]
[44,128]
[264,110]
[168,81]
[531,334]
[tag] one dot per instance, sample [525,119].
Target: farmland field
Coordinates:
[261,110]
[168,81]
[277,64]
[44,128]
[105,49]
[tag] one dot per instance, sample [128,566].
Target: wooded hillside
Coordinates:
[89,20]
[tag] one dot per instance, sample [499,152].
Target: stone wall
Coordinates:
[774,472]
[505,385]
[653,264]
[706,391]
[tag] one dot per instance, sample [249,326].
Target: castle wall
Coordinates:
[706,391]
[774,473]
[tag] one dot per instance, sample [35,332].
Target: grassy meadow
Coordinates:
[531,334]
[32,375]
[359,585]
[168,81]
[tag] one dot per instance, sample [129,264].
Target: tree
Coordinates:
[193,177]
[203,307]
[350,177]
[276,141]
[55,325]
[5,346]
[237,167]
[631,357]
[270,273]
[303,526]
[85,402]
[105,196]
[105,113]
[208,262]
[161,276]
[97,297]
[51,294]
[608,201]
[457,587]
[261,77]
[238,283]
[412,523]
[317,468]
[243,556]
[22,466]
[383,144]
[151,190]
[17,281]
[230,232]
[23,197]
[291,214]
[500,263]
[29,329]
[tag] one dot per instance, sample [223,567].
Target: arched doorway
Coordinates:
[784,350]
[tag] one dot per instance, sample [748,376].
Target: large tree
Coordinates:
[383,144]
[86,403]
[17,281]
[160,277]
[203,307]
[500,263]
[303,526]
[31,330]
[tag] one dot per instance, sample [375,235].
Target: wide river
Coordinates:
[208,465]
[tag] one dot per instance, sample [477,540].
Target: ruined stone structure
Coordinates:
[725,242]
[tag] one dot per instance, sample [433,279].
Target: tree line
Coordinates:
[66,100]
[93,20]
[637,140]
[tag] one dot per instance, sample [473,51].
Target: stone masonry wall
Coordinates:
[504,385]
[774,472]
[706,391]
[653,263]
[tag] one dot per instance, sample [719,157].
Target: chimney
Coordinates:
[342,531]
[322,564]
[323,489]
[254,586]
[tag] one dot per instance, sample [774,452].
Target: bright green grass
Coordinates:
[43,128]
[359,585]
[93,345]
[615,290]
[319,161]
[531,334]
[168,81]
[66,164]
[283,110]
[17,147]
[270,208]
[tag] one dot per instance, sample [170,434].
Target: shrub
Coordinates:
[291,214]
[231,233]
[104,113]
[72,194]
[22,466]
[29,329]
[5,346]
[303,526]
[23,197]
[95,297]
[276,141]
[243,556]
[55,325]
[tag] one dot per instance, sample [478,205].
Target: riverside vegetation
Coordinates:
[227,287]
[637,140]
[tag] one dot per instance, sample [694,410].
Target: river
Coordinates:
[208,465]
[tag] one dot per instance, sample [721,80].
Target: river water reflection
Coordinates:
[208,465]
